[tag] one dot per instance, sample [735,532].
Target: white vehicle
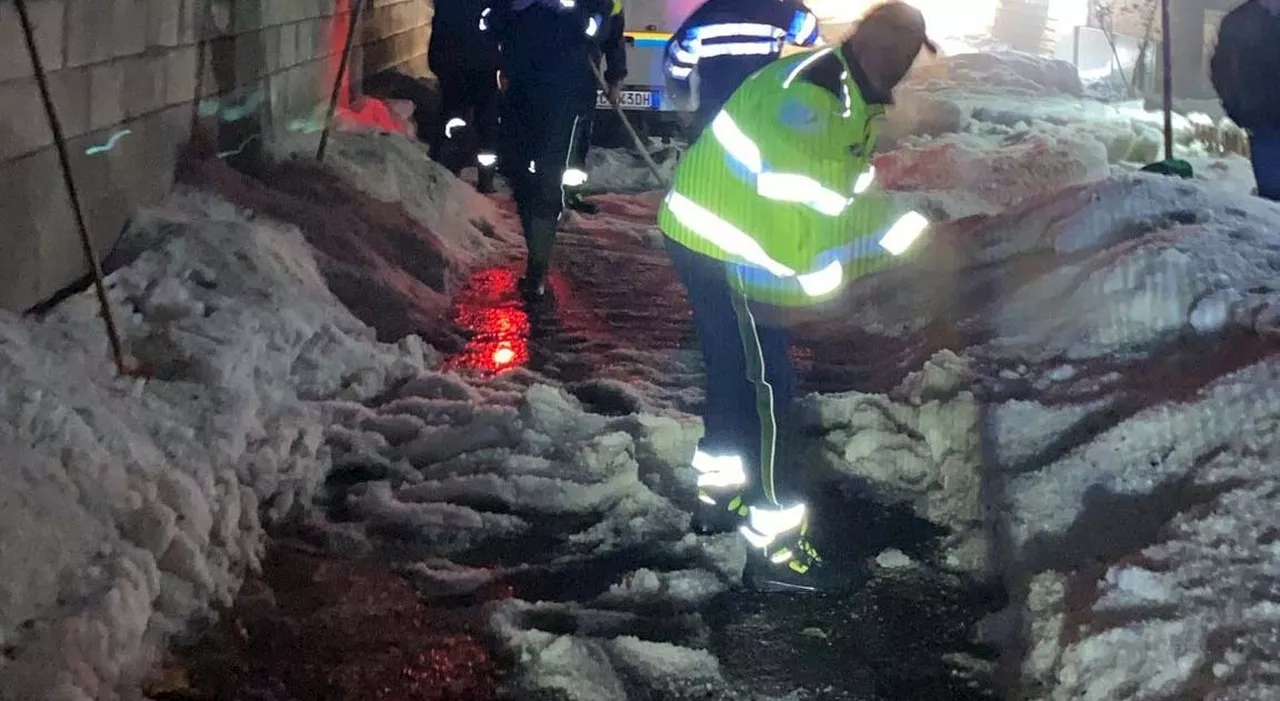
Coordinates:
[650,24]
[644,85]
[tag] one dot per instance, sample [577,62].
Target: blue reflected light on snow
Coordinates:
[239,149]
[110,144]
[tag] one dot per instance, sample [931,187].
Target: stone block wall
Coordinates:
[130,78]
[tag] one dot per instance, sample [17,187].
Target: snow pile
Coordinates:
[394,170]
[132,505]
[621,170]
[1101,433]
[977,133]
[923,450]
[395,262]
[462,464]
[444,469]
[966,174]
[999,72]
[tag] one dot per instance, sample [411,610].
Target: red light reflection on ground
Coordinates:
[489,309]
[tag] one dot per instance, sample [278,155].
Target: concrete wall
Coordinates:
[131,77]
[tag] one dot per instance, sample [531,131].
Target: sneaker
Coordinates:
[578,203]
[784,559]
[721,479]
[818,578]
[721,513]
[484,181]
[537,297]
[531,289]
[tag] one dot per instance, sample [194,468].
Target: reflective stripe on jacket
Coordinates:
[728,40]
[780,185]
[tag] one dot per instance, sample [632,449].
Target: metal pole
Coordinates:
[1166,50]
[337,79]
[60,142]
[644,151]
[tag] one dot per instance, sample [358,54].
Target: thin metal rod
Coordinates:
[1166,47]
[337,79]
[60,142]
[644,150]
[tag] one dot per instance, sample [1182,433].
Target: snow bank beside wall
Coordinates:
[132,505]
[394,232]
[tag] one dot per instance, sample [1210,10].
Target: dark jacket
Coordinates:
[459,40]
[546,44]
[725,41]
[1245,68]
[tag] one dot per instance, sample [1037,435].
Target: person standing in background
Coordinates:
[545,46]
[463,54]
[725,41]
[1245,70]
[613,50]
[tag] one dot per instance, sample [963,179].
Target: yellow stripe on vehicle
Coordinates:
[649,38]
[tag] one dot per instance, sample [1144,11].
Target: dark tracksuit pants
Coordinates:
[1264,148]
[750,384]
[468,95]
[538,135]
[544,59]
[581,140]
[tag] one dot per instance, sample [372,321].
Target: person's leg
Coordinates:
[486,122]
[575,174]
[777,520]
[1264,149]
[452,110]
[771,376]
[516,152]
[724,458]
[552,124]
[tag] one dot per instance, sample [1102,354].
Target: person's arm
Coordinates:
[803,30]
[1225,68]
[802,118]
[679,67]
[614,48]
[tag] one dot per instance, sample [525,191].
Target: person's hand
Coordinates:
[615,93]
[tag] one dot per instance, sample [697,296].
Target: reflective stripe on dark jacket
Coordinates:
[458,39]
[728,40]
[548,49]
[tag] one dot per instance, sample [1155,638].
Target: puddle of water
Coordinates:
[489,309]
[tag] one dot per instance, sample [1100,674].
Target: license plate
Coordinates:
[630,100]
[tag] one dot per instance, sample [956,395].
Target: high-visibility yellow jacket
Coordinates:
[781,186]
